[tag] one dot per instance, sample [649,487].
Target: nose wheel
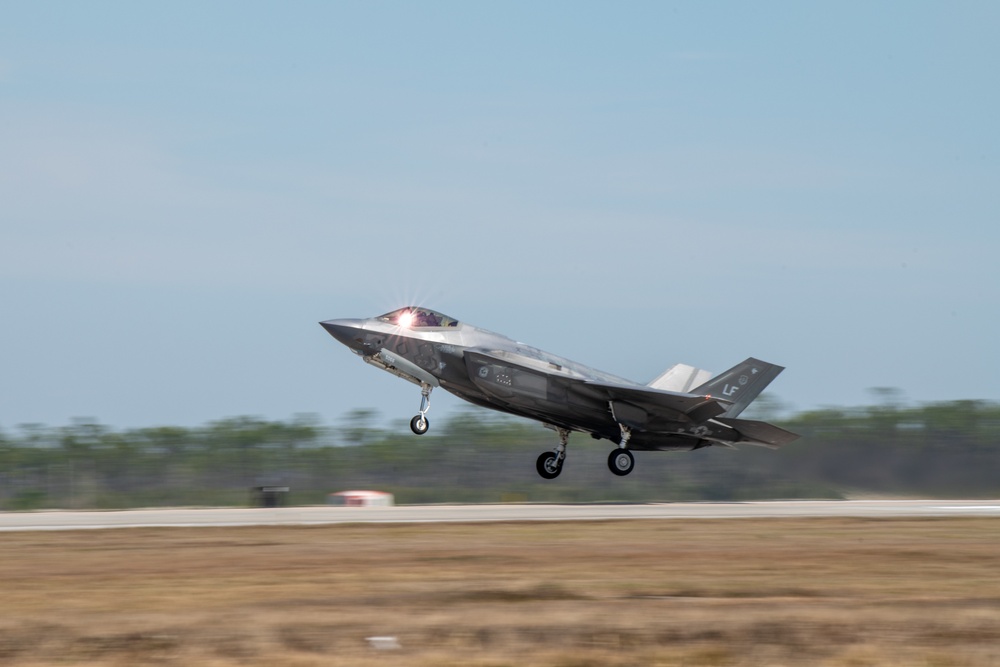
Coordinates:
[419,424]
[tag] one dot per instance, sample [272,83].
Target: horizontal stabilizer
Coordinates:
[680,378]
[754,432]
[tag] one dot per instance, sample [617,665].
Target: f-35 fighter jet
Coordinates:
[684,408]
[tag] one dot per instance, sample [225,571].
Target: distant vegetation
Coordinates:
[942,449]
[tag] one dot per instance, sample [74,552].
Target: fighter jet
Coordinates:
[685,408]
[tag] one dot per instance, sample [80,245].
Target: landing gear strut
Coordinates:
[550,464]
[419,424]
[620,461]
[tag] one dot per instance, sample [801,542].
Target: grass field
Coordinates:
[721,592]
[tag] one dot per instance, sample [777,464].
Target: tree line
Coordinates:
[949,449]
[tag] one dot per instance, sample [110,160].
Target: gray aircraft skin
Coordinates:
[684,408]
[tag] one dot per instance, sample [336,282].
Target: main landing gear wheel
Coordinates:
[419,424]
[549,465]
[621,462]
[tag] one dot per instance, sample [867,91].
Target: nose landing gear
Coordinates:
[419,424]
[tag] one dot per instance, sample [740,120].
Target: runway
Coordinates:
[314,516]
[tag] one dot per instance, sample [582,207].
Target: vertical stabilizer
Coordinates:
[680,378]
[740,384]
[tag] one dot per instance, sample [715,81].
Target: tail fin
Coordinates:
[680,378]
[740,384]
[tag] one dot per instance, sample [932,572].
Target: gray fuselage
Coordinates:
[494,371]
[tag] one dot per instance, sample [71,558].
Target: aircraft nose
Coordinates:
[347,332]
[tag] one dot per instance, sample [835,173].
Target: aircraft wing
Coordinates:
[683,407]
[527,380]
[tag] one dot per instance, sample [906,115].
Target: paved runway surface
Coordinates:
[298,516]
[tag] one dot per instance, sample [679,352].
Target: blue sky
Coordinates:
[186,189]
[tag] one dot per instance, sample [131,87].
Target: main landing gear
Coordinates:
[550,464]
[419,424]
[620,461]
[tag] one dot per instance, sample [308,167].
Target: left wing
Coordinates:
[633,405]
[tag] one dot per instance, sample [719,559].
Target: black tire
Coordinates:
[621,462]
[548,465]
[420,424]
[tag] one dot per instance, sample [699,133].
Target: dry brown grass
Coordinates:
[576,594]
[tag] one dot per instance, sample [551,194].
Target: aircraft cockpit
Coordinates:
[418,318]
